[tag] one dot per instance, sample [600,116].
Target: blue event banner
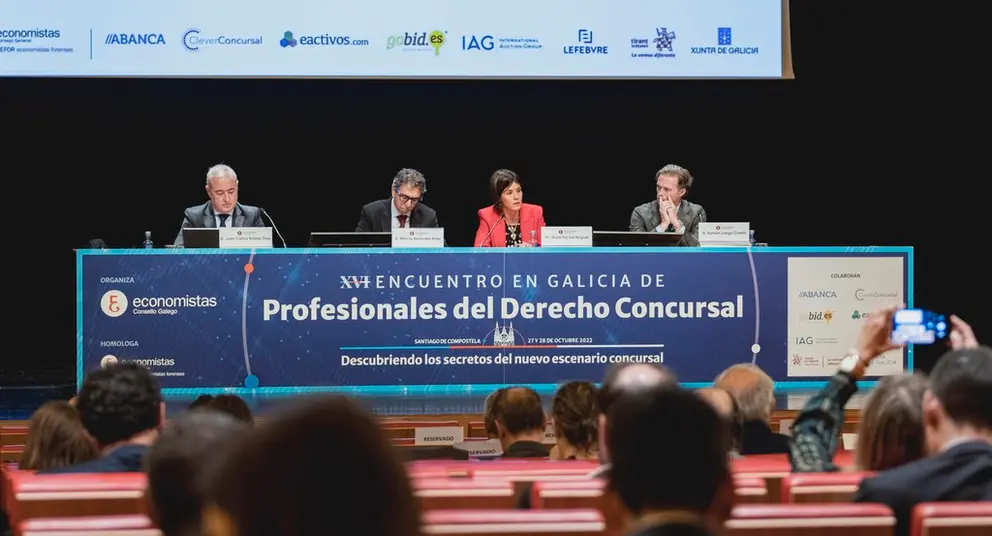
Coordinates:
[458,320]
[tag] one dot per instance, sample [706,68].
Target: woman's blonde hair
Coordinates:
[891,429]
[56,438]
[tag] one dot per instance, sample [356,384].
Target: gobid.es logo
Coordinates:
[113,303]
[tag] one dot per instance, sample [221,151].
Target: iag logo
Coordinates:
[472,42]
[113,304]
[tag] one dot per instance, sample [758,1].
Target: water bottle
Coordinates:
[750,235]
[533,238]
[148,240]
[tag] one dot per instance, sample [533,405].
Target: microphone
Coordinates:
[274,228]
[491,229]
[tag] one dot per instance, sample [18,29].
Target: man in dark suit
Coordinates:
[670,212]
[670,465]
[223,209]
[957,423]
[402,209]
[754,391]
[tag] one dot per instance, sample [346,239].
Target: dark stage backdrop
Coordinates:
[821,160]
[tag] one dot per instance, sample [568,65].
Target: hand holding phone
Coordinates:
[961,334]
[919,326]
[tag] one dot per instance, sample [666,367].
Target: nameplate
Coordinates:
[244,237]
[850,441]
[724,234]
[479,448]
[408,237]
[438,435]
[550,437]
[566,237]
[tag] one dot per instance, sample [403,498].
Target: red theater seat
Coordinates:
[439,469]
[514,522]
[534,470]
[811,520]
[73,495]
[821,487]
[11,453]
[89,526]
[13,435]
[952,519]
[587,494]
[462,493]
[750,489]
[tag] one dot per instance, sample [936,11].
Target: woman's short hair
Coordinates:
[501,180]
[891,429]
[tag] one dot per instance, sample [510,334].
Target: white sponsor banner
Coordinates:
[829,299]
[393,38]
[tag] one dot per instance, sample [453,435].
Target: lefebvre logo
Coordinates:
[114,303]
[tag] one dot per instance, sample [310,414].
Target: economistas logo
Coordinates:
[194,40]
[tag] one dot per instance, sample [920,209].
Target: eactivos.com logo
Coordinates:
[418,41]
[109,360]
[115,303]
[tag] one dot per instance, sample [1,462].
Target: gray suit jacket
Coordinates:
[645,218]
[203,217]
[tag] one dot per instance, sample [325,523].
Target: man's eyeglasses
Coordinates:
[406,198]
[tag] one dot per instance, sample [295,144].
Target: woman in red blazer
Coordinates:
[509,222]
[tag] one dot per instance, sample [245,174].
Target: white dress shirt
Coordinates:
[227,223]
[395,216]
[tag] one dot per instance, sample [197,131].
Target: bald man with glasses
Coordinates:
[404,207]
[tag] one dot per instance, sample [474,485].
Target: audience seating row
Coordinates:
[409,432]
[936,519]
[438,484]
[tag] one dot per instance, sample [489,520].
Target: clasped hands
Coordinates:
[669,215]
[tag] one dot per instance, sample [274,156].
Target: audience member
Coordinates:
[755,392]
[234,406]
[726,406]
[201,401]
[177,467]
[121,408]
[488,421]
[325,466]
[576,422]
[958,430]
[520,423]
[670,486]
[56,439]
[891,429]
[619,380]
